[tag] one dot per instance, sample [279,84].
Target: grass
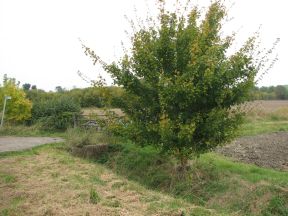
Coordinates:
[52,182]
[247,172]
[146,182]
[277,206]
[22,130]
[262,126]
[94,197]
[81,137]
[213,181]
[261,121]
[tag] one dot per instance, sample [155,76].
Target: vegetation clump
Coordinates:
[19,107]
[181,85]
[94,197]
[58,113]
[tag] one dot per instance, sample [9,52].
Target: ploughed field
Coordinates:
[265,150]
[264,140]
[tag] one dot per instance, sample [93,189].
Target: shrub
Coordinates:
[57,113]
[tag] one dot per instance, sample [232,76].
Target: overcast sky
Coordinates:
[39,38]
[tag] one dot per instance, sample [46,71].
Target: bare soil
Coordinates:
[266,150]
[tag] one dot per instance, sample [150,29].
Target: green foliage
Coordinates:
[279,92]
[37,95]
[277,206]
[211,181]
[97,96]
[18,108]
[6,178]
[94,197]
[58,113]
[24,130]
[87,97]
[180,84]
[26,86]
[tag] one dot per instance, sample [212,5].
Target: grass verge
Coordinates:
[212,181]
[25,131]
[47,180]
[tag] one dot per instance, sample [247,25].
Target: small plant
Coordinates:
[94,197]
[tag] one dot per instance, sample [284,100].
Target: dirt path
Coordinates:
[266,150]
[20,143]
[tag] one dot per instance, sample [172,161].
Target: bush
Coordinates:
[57,113]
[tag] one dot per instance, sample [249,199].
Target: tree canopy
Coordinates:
[19,107]
[181,87]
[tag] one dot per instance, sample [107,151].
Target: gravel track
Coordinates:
[8,143]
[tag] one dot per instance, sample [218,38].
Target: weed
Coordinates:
[118,185]
[97,180]
[82,137]
[200,212]
[4,212]
[94,197]
[112,203]
[7,178]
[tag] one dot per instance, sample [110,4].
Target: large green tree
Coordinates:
[182,88]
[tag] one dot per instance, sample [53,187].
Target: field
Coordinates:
[268,106]
[129,180]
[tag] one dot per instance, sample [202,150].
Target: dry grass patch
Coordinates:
[52,182]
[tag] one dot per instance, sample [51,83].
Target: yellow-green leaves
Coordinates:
[19,107]
[180,83]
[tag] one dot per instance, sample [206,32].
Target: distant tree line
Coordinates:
[58,109]
[87,97]
[279,92]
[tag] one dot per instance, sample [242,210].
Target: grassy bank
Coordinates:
[213,182]
[47,180]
